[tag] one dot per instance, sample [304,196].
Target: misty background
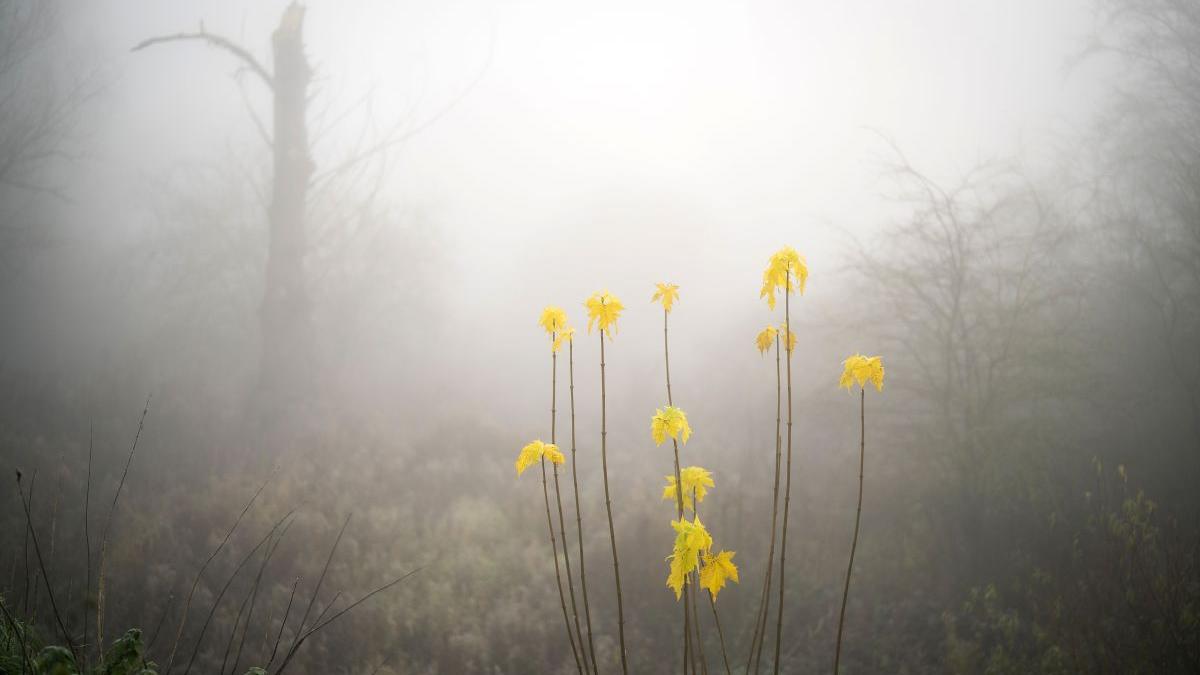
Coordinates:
[1000,198]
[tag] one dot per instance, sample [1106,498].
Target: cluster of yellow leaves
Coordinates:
[534,452]
[765,339]
[717,568]
[669,421]
[667,294]
[788,336]
[691,539]
[696,479]
[862,369]
[786,269]
[554,321]
[603,309]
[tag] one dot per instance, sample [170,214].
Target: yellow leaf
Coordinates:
[552,453]
[765,339]
[785,269]
[566,334]
[691,539]
[553,319]
[696,479]
[531,454]
[862,369]
[716,570]
[603,309]
[789,337]
[670,421]
[667,294]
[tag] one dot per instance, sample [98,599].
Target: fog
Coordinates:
[339,294]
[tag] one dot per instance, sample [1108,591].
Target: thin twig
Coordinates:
[216,41]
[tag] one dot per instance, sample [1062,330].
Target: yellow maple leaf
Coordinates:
[553,454]
[667,294]
[691,539]
[553,319]
[765,339]
[696,479]
[789,337]
[603,310]
[670,421]
[862,369]
[565,334]
[785,269]
[716,570]
[530,454]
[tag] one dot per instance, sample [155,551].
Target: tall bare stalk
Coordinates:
[787,491]
[562,528]
[608,505]
[87,545]
[587,611]
[760,628]
[862,451]
[562,598]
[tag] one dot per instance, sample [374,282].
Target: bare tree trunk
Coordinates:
[285,337]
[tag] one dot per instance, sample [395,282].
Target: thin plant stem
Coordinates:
[562,528]
[104,536]
[162,617]
[693,583]
[562,597]
[229,581]
[712,602]
[254,592]
[787,491]
[25,552]
[237,623]
[319,625]
[87,546]
[862,452]
[12,625]
[42,565]
[587,611]
[317,589]
[282,624]
[761,627]
[687,651]
[608,507]
[187,603]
